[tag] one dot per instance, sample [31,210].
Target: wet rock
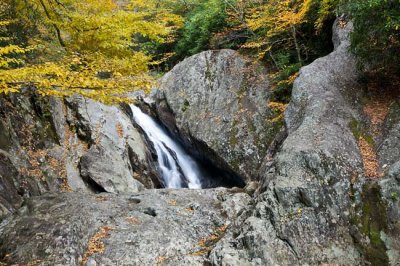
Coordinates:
[217,100]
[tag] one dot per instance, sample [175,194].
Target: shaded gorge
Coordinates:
[177,165]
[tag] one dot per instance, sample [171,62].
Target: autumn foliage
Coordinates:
[104,48]
[87,47]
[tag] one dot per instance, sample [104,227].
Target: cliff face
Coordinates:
[329,185]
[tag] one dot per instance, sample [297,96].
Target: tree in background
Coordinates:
[376,37]
[278,22]
[285,35]
[11,53]
[102,49]
[88,47]
[205,19]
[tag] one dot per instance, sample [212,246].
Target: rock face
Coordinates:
[29,151]
[148,228]
[389,159]
[10,199]
[79,145]
[389,150]
[218,100]
[107,162]
[303,215]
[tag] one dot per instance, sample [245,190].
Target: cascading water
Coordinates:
[178,169]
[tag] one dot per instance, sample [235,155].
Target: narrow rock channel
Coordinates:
[177,168]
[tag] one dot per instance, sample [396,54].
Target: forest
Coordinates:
[103,49]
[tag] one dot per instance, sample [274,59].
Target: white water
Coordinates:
[166,149]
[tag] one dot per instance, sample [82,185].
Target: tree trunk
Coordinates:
[296,45]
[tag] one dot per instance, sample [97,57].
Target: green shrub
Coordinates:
[201,23]
[376,37]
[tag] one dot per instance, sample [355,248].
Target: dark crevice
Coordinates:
[274,225]
[217,173]
[91,184]
[150,211]
[136,167]
[82,130]
[135,200]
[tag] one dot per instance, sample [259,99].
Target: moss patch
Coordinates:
[185,106]
[359,130]
[373,220]
[233,140]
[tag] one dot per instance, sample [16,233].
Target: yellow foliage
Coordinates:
[325,9]
[278,15]
[277,106]
[272,22]
[98,53]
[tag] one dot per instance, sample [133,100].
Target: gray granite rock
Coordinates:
[389,148]
[218,99]
[389,159]
[111,135]
[164,227]
[47,144]
[302,215]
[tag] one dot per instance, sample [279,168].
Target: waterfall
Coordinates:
[178,169]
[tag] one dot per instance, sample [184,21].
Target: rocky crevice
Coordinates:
[306,188]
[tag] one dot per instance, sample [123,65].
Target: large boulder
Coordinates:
[154,227]
[303,217]
[217,100]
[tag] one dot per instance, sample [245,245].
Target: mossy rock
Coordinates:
[373,221]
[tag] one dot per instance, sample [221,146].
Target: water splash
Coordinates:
[178,169]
